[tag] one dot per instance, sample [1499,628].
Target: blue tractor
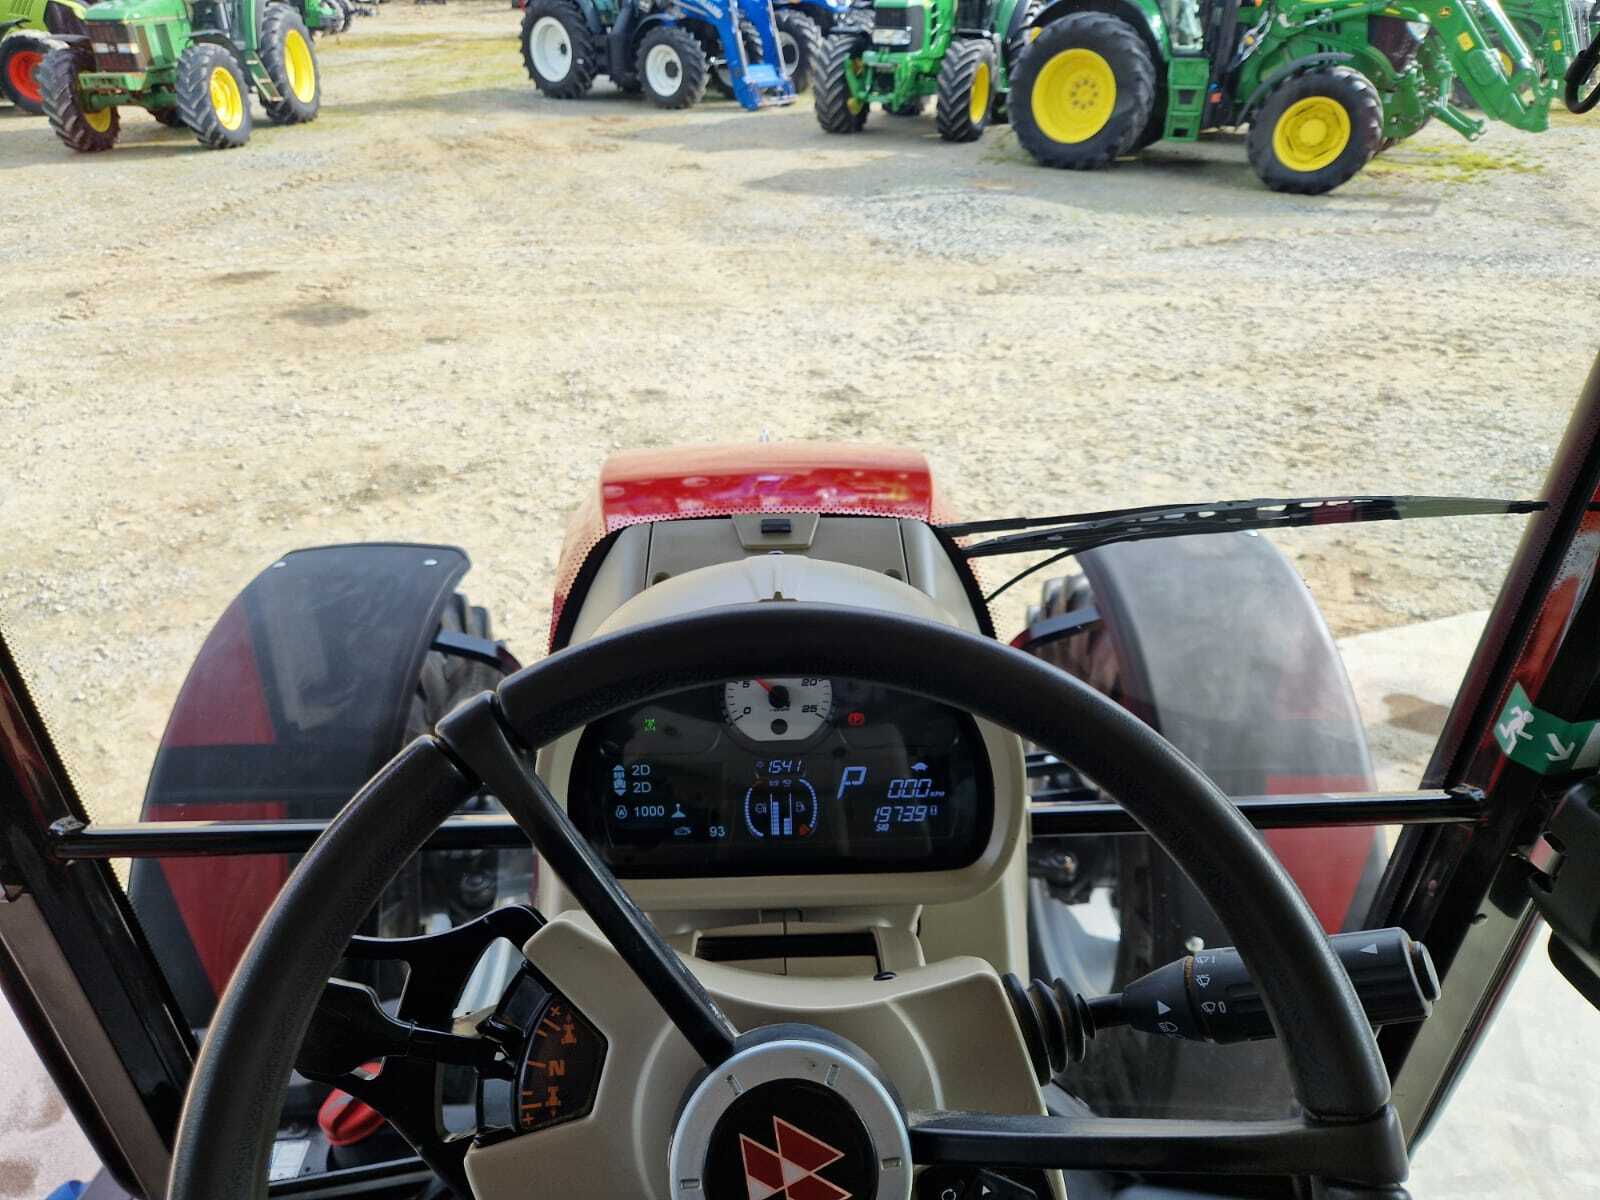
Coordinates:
[668,49]
[802,26]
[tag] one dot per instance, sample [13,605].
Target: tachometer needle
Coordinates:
[766,685]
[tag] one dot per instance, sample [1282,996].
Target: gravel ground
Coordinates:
[431,314]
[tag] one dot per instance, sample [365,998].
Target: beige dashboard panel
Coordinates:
[794,577]
[942,1033]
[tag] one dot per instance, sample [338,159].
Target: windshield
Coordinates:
[486,325]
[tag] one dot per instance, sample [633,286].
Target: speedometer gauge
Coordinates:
[772,710]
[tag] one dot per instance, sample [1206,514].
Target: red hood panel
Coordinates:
[679,483]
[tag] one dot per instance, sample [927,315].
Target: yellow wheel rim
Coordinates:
[99,121]
[1074,96]
[301,66]
[979,107]
[1311,133]
[226,100]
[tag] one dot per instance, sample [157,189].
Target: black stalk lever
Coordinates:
[1210,997]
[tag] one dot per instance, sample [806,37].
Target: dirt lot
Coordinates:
[430,314]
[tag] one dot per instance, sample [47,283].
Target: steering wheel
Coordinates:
[1581,68]
[1346,1135]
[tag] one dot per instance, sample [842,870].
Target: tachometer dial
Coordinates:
[774,710]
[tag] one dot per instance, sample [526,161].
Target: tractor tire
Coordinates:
[800,42]
[672,67]
[837,110]
[170,117]
[1083,92]
[20,59]
[913,107]
[84,131]
[336,17]
[291,64]
[214,96]
[560,52]
[966,90]
[1316,131]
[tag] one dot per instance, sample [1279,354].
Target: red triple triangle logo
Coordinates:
[790,1171]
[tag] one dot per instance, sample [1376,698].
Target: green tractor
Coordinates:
[22,48]
[190,63]
[1322,84]
[962,52]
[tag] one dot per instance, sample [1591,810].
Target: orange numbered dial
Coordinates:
[561,1070]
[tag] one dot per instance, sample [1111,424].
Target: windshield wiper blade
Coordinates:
[1076,532]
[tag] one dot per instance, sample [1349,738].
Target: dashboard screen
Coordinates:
[783,776]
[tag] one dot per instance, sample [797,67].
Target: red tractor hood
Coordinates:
[680,483]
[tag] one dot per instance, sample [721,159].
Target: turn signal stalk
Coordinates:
[1210,997]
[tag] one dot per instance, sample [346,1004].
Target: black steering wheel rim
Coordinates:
[225,1135]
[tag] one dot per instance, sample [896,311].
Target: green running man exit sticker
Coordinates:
[1542,742]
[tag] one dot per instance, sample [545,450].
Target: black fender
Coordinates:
[220,37]
[1298,66]
[1128,12]
[299,693]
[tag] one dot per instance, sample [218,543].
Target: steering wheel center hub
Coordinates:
[794,1114]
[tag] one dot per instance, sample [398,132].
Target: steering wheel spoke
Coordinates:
[1341,1151]
[474,734]
[393,1062]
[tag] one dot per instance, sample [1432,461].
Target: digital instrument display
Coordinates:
[783,776]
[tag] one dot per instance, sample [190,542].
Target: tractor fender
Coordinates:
[7,26]
[218,37]
[1144,15]
[1297,67]
[65,20]
[591,16]
[264,729]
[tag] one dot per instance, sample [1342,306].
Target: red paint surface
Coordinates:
[344,1120]
[638,486]
[222,702]
[222,899]
[1327,863]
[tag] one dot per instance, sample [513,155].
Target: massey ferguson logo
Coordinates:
[790,1171]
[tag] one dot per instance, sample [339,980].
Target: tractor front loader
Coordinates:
[1322,86]
[24,42]
[191,64]
[664,48]
[962,52]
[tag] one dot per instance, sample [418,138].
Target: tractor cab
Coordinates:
[808,859]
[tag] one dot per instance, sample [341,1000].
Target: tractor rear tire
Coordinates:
[837,110]
[800,41]
[20,58]
[1083,92]
[672,67]
[559,51]
[966,90]
[339,16]
[913,107]
[1316,131]
[214,96]
[84,131]
[291,64]
[170,117]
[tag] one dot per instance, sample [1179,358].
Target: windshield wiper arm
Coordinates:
[1076,532]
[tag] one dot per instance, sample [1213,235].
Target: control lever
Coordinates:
[1210,997]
